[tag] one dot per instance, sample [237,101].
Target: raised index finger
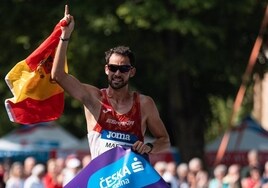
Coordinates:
[66,12]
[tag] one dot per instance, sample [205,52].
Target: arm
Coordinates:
[156,127]
[69,83]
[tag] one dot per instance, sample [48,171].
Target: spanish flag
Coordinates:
[37,98]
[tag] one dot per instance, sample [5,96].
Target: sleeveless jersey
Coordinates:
[113,129]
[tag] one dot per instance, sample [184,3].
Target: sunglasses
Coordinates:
[121,68]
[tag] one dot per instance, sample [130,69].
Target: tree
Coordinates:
[190,54]
[198,38]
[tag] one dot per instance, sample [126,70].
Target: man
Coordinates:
[115,115]
[28,165]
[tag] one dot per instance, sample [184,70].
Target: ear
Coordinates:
[132,72]
[106,69]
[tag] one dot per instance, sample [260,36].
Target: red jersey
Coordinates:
[114,129]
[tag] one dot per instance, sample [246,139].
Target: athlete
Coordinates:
[115,115]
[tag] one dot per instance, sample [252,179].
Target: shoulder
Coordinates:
[92,92]
[147,103]
[91,88]
[145,99]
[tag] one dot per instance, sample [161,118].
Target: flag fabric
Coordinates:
[36,98]
[118,168]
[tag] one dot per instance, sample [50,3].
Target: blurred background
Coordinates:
[191,59]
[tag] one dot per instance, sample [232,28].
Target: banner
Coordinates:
[118,168]
[36,97]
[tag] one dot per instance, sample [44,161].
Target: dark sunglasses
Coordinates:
[121,68]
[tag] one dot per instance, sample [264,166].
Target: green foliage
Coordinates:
[195,49]
[221,111]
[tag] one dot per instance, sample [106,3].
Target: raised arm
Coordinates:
[69,83]
[57,72]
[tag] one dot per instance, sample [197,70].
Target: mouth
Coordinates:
[116,82]
[117,79]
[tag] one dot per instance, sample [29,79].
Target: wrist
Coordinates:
[64,39]
[151,146]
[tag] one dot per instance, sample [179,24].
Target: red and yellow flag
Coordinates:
[37,98]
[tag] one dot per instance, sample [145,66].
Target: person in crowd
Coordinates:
[73,166]
[191,179]
[52,178]
[60,163]
[116,109]
[35,180]
[233,177]
[264,178]
[16,176]
[253,161]
[86,160]
[182,172]
[253,180]
[160,167]
[219,173]
[195,165]
[28,165]
[170,174]
[202,179]
[7,166]
[2,175]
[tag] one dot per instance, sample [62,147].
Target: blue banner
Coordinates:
[118,168]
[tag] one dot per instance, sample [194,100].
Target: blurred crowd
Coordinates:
[57,172]
[194,175]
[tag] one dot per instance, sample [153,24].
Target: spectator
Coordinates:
[86,160]
[60,164]
[219,173]
[28,165]
[195,165]
[73,166]
[182,172]
[170,174]
[35,180]
[2,175]
[233,177]
[7,165]
[160,167]
[52,178]
[15,179]
[254,179]
[202,179]
[253,161]
[264,179]
[191,179]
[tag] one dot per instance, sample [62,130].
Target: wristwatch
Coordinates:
[151,146]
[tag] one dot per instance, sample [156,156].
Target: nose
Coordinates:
[117,72]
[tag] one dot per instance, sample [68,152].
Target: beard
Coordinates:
[117,82]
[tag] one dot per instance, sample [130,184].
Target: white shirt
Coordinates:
[33,182]
[13,182]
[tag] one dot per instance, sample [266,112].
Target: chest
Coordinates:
[120,107]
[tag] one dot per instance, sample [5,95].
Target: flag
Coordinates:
[118,167]
[36,98]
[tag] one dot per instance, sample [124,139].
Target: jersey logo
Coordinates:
[117,136]
[120,123]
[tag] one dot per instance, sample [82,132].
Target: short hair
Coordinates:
[121,50]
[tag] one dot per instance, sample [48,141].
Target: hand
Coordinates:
[67,23]
[141,148]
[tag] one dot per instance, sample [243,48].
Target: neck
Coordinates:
[120,94]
